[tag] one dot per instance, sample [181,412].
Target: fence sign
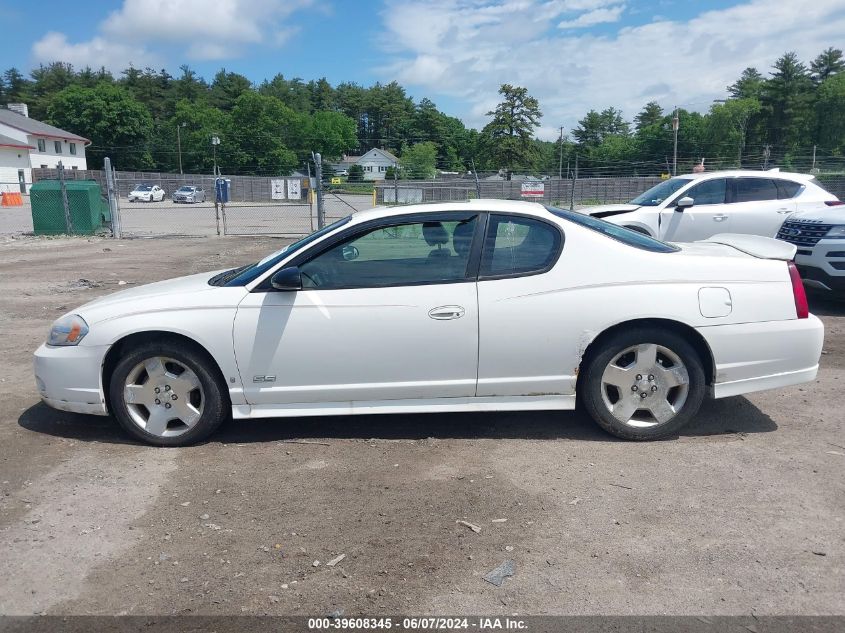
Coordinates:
[277,189]
[532,189]
[294,189]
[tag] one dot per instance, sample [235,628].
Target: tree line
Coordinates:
[793,117]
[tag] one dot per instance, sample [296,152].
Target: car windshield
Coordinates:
[659,193]
[618,233]
[143,188]
[186,189]
[243,275]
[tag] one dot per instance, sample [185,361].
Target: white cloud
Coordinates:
[465,49]
[95,53]
[591,18]
[198,29]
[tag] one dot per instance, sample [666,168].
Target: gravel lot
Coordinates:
[742,514]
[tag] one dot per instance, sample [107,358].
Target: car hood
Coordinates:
[607,210]
[172,294]
[822,215]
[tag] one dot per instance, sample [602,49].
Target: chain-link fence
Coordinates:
[554,191]
[153,203]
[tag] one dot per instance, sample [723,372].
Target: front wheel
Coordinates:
[643,384]
[167,394]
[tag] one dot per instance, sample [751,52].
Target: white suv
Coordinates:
[819,235]
[697,206]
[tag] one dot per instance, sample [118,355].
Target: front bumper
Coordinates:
[764,355]
[70,378]
[823,266]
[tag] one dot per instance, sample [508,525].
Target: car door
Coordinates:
[388,312]
[755,207]
[517,330]
[706,217]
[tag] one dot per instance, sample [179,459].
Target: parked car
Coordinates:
[819,236]
[486,305]
[696,206]
[146,193]
[189,194]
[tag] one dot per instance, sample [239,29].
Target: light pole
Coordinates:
[215,141]
[675,125]
[560,162]
[179,143]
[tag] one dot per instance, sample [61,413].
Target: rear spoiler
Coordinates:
[756,245]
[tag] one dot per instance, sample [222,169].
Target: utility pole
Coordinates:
[179,143]
[395,183]
[813,168]
[572,192]
[215,141]
[477,184]
[676,123]
[767,152]
[560,163]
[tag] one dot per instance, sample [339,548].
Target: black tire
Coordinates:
[590,386]
[215,408]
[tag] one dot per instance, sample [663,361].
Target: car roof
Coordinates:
[734,173]
[482,204]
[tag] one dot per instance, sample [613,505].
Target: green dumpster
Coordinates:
[88,209]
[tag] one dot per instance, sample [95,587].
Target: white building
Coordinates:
[375,163]
[26,144]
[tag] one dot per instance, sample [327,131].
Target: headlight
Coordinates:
[836,231]
[68,330]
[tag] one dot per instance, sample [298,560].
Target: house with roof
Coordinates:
[375,163]
[26,144]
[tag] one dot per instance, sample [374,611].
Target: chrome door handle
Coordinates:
[719,218]
[784,211]
[444,313]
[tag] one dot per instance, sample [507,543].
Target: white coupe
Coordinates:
[146,193]
[486,305]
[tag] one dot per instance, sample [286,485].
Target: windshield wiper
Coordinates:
[225,277]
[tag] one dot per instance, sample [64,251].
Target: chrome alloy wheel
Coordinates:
[645,385]
[163,396]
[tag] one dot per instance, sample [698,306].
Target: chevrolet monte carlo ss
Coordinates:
[485,305]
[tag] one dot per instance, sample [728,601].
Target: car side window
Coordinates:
[436,250]
[787,189]
[708,192]
[516,245]
[754,189]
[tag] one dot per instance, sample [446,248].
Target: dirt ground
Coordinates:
[741,514]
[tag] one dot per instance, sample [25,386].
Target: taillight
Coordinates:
[802,310]
[834,203]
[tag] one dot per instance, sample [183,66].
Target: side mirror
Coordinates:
[684,203]
[287,279]
[350,252]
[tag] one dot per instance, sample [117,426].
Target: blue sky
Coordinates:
[572,54]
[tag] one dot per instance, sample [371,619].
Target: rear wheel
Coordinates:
[643,384]
[167,394]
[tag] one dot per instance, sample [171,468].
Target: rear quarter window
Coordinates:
[618,233]
[787,189]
